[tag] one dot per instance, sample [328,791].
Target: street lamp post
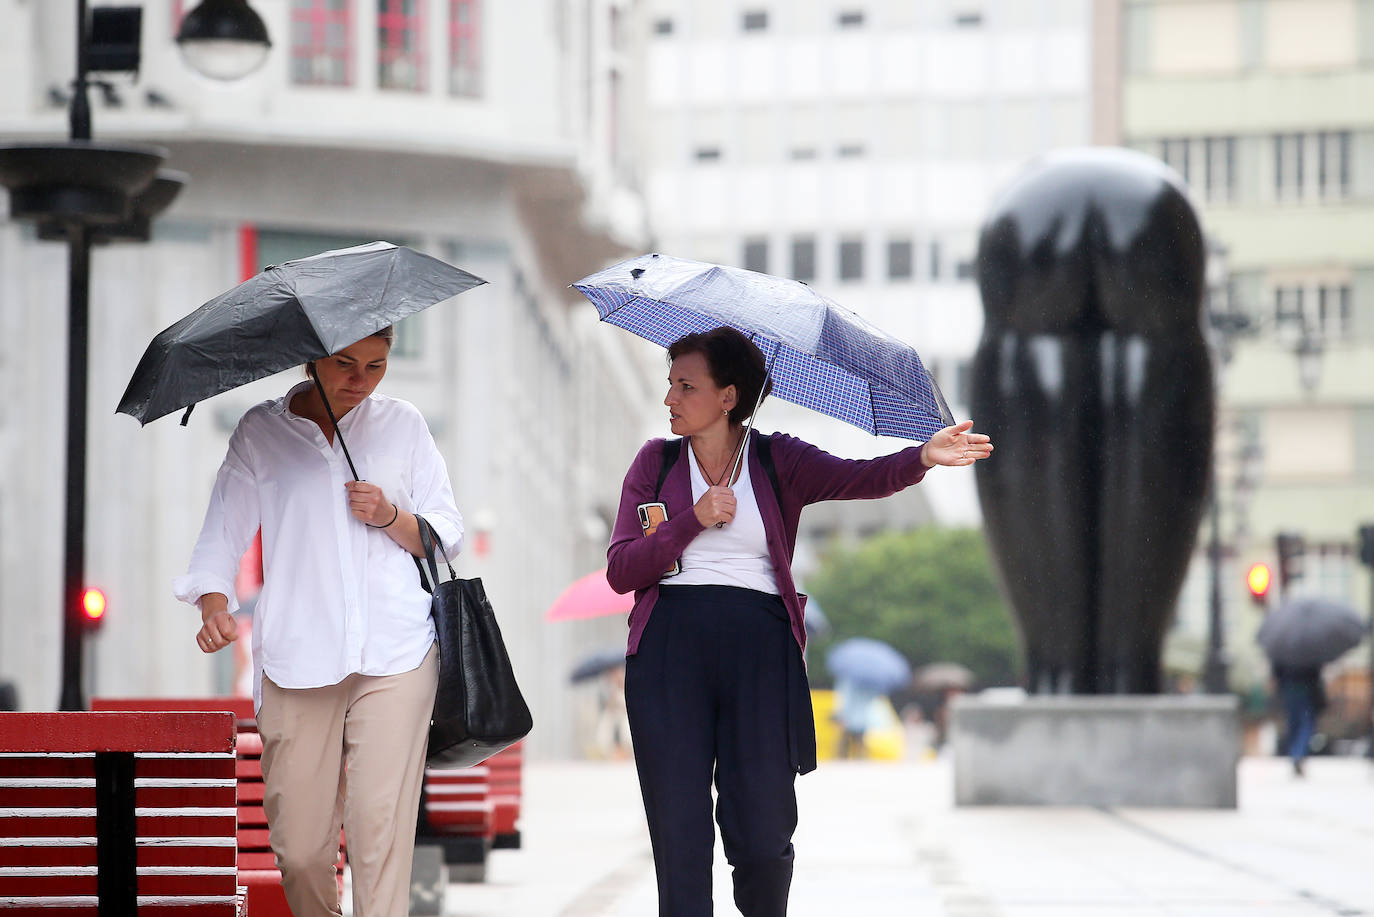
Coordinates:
[85,193]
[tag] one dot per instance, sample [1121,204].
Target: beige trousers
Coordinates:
[351,754]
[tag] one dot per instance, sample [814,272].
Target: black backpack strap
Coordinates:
[764,447]
[672,448]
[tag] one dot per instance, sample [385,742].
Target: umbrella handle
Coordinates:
[338,434]
[739,455]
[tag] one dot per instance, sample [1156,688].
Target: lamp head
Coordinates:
[223,39]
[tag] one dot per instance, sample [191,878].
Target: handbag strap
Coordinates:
[429,538]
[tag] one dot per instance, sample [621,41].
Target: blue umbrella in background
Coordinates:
[820,355]
[817,624]
[869,664]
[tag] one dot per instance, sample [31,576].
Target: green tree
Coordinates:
[930,593]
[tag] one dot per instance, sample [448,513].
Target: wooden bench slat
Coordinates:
[128,732]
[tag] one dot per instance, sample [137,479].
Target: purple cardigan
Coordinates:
[805,475]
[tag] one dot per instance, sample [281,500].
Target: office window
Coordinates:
[465,48]
[1333,164]
[899,259]
[322,42]
[400,45]
[1288,312]
[663,26]
[1288,166]
[756,255]
[804,259]
[1175,153]
[1219,181]
[802,153]
[850,19]
[754,20]
[969,20]
[964,269]
[1333,310]
[934,254]
[707,153]
[850,150]
[851,259]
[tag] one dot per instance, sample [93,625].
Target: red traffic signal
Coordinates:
[1259,579]
[92,607]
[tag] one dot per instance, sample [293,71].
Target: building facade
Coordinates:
[855,146]
[479,132]
[1263,107]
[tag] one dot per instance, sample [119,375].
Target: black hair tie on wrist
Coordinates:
[395,513]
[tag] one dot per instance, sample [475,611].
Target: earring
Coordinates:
[726,411]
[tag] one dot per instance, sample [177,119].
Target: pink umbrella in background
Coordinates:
[589,597]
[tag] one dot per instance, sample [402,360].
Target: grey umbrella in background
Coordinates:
[1309,632]
[287,315]
[593,664]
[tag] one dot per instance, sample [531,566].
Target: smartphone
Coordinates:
[651,516]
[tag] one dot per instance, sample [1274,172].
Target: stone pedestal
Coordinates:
[1152,750]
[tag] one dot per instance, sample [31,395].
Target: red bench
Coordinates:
[257,865]
[118,813]
[469,811]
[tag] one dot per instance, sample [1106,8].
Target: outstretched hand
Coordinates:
[957,446]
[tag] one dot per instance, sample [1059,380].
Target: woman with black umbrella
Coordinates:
[345,665]
[715,684]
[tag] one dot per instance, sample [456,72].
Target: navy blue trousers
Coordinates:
[708,698]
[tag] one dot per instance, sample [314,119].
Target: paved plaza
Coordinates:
[886,839]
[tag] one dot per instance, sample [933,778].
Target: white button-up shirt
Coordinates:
[338,597]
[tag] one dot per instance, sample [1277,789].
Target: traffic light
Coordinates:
[1290,548]
[1258,579]
[92,608]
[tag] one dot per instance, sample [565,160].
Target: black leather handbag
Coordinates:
[478,708]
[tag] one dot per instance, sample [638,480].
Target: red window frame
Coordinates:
[311,23]
[401,39]
[465,48]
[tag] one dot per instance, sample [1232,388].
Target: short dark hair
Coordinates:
[387,334]
[732,359]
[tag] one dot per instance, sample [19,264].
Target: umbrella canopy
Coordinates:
[287,315]
[589,597]
[868,663]
[821,355]
[594,664]
[943,676]
[1309,632]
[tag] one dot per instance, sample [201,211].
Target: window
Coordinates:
[756,255]
[465,48]
[850,19]
[899,259]
[1288,307]
[707,153]
[663,26]
[321,42]
[803,152]
[1333,310]
[850,150]
[754,20]
[1333,164]
[851,259]
[968,20]
[1175,156]
[409,342]
[400,45]
[804,259]
[1219,181]
[964,270]
[1288,166]
[934,260]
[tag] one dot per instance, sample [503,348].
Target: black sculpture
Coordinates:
[1094,381]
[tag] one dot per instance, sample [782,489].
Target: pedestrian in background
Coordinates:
[344,658]
[1304,697]
[715,682]
[855,706]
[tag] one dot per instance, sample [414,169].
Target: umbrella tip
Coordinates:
[636,272]
[187,416]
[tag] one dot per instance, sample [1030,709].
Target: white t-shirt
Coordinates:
[338,597]
[735,554]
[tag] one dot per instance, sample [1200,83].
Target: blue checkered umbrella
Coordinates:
[821,355]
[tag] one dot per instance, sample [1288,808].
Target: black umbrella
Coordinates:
[287,315]
[1309,632]
[598,662]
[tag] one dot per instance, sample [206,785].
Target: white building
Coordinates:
[856,145]
[475,131]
